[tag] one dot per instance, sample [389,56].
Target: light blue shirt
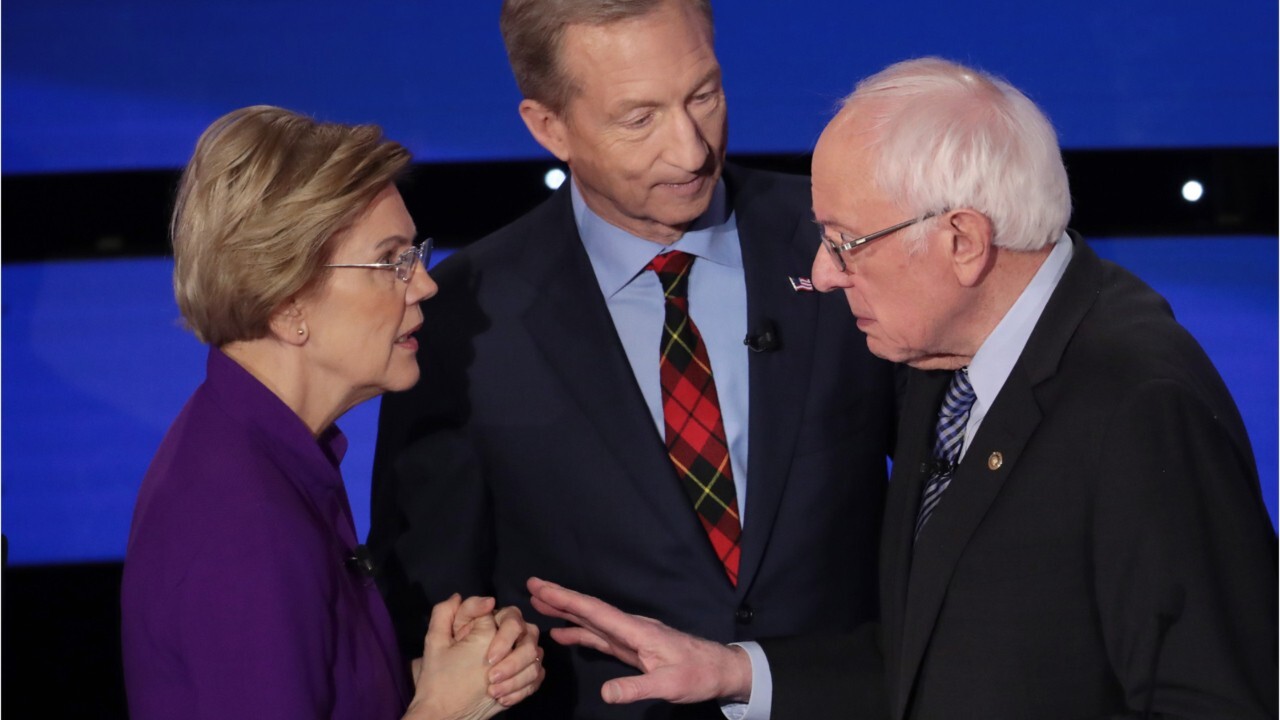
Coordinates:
[988,370]
[991,365]
[717,304]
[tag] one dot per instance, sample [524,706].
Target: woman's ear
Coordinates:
[288,323]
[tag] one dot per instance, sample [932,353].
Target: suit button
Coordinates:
[743,615]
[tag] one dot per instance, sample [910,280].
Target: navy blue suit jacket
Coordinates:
[527,449]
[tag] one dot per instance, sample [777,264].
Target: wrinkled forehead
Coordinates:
[850,136]
[844,161]
[669,43]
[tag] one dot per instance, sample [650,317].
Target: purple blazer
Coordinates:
[237,597]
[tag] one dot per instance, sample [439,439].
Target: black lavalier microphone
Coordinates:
[360,561]
[937,466]
[763,338]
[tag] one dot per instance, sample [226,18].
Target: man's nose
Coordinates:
[827,276]
[687,148]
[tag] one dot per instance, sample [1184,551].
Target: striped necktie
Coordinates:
[949,439]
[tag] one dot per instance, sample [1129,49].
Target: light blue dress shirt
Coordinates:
[717,304]
[988,370]
[991,365]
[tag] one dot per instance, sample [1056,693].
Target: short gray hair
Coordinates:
[947,136]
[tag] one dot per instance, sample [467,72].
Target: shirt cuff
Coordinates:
[761,702]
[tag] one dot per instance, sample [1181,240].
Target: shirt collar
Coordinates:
[618,257]
[996,356]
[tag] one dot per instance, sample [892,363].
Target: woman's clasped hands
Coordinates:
[475,662]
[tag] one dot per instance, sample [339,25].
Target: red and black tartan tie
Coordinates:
[696,440]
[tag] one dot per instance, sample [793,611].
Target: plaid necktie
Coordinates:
[949,438]
[695,433]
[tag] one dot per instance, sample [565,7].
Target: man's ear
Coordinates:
[972,253]
[289,324]
[547,127]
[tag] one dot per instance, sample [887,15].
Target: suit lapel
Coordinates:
[1012,420]
[773,247]
[1006,429]
[910,472]
[570,324]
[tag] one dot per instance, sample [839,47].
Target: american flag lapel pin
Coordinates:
[801,284]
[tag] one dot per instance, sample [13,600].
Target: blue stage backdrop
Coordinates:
[92,85]
[96,366]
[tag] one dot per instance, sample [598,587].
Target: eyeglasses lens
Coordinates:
[406,264]
[836,256]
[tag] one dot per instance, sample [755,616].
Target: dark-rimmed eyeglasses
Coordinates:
[848,244]
[404,265]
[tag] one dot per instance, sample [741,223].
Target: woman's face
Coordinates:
[360,322]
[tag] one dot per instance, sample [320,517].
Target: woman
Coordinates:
[245,593]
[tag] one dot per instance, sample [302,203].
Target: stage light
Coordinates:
[1192,191]
[554,178]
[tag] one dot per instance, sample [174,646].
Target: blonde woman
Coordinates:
[246,592]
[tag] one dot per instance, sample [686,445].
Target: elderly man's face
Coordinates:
[903,303]
[644,134]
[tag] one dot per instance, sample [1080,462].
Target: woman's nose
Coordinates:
[421,287]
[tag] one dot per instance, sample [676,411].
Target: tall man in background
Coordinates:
[1074,527]
[630,389]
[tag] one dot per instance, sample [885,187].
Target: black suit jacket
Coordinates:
[527,449]
[1105,526]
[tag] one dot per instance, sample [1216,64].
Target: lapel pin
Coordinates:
[995,460]
[801,284]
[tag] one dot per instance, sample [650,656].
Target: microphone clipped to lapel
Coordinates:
[763,337]
[360,562]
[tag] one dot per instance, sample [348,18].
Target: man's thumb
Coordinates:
[627,690]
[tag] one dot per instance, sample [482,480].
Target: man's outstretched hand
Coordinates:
[676,667]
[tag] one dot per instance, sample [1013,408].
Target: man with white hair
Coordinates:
[1074,525]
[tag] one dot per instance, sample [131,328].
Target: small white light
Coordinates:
[554,178]
[1192,191]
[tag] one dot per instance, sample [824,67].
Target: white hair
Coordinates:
[948,137]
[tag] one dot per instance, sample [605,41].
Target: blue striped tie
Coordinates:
[952,418]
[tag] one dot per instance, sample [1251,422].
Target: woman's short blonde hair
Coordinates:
[258,210]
